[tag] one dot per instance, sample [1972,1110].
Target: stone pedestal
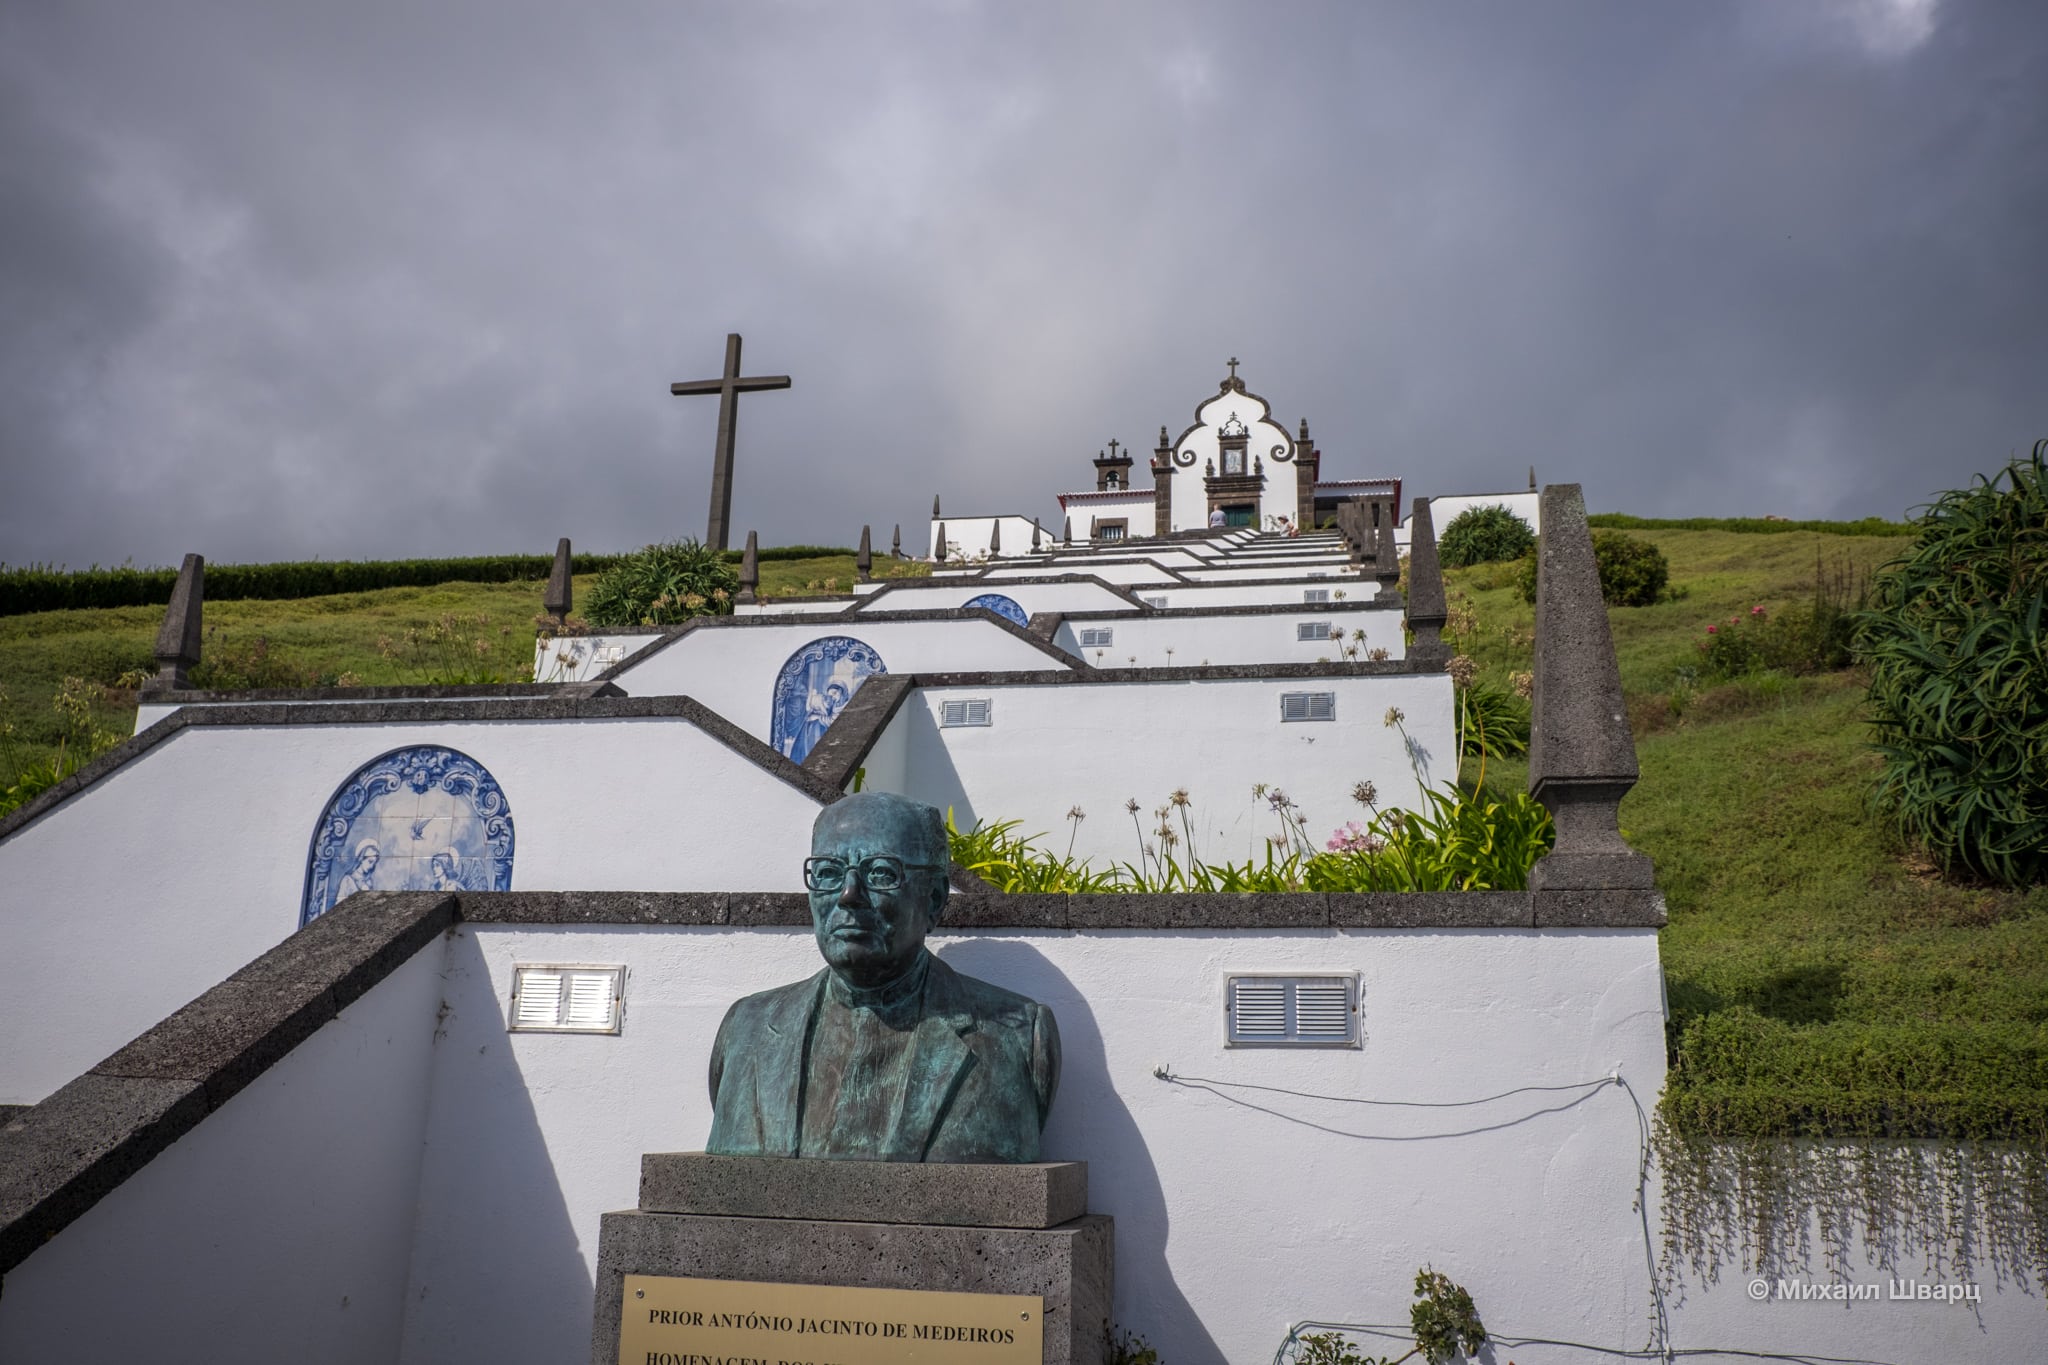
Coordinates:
[867,1224]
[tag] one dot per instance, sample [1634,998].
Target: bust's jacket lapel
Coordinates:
[779,1083]
[760,1077]
[939,1062]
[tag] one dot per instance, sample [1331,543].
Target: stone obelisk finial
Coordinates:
[1386,561]
[1428,608]
[1582,759]
[995,537]
[561,595]
[896,542]
[750,568]
[940,553]
[177,641]
[864,559]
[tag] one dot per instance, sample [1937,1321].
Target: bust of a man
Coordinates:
[888,1054]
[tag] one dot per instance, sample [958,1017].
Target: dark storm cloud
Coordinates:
[395,279]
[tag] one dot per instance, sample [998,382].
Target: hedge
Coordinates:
[1868,526]
[42,588]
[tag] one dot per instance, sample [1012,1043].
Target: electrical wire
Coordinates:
[1660,1336]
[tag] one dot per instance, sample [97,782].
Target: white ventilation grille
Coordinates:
[1097,637]
[1153,601]
[1313,597]
[1291,1011]
[1312,630]
[567,998]
[965,711]
[1308,706]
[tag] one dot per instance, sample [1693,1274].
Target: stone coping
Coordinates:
[1349,605]
[980,578]
[972,912]
[1341,668]
[192,696]
[68,1152]
[60,1157]
[770,620]
[570,702]
[1036,1195]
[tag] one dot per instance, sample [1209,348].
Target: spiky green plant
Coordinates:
[1959,679]
[663,585]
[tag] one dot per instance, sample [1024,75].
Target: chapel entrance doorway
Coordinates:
[1241,514]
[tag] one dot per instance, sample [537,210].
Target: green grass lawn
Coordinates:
[1818,980]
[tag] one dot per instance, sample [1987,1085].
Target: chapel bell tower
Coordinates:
[1113,470]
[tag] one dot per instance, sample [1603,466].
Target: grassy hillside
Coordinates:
[1818,981]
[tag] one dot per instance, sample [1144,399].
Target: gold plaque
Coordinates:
[669,1320]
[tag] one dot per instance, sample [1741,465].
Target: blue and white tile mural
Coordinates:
[813,687]
[1001,606]
[426,819]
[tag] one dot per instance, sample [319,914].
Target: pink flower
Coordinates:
[1756,611]
[1713,630]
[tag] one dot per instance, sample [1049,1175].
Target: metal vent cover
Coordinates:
[567,997]
[1312,630]
[1305,706]
[965,711]
[1097,637]
[1315,597]
[1159,602]
[1270,1009]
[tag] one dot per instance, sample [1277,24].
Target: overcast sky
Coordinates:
[284,280]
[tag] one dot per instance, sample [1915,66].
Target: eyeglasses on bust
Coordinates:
[878,873]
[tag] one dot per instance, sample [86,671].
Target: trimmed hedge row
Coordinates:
[41,588]
[798,552]
[1868,526]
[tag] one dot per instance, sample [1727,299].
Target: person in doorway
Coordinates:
[1215,517]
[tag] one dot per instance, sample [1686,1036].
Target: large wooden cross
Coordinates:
[728,388]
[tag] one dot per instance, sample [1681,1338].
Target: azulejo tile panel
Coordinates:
[1002,606]
[419,819]
[813,687]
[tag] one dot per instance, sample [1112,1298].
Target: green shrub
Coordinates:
[1633,573]
[1492,722]
[1484,535]
[1959,679]
[663,585]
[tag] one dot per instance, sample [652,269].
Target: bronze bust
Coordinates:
[888,1054]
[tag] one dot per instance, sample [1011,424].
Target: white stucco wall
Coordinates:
[163,878]
[1258,639]
[280,1229]
[1263,592]
[943,595]
[414,1184]
[572,658]
[1054,747]
[1248,571]
[732,670]
[969,537]
[1230,1223]
[1108,570]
